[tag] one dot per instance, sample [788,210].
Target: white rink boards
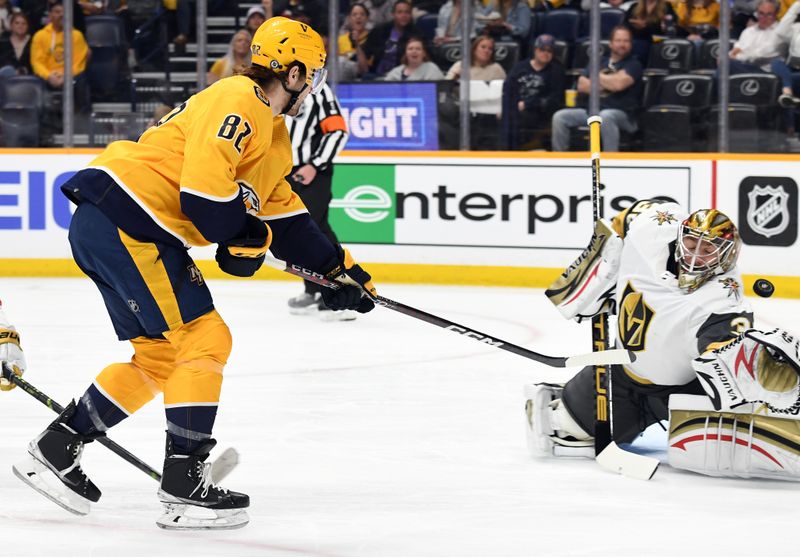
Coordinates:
[385,437]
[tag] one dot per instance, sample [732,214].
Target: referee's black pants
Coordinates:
[317,197]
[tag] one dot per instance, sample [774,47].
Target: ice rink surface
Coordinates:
[383,437]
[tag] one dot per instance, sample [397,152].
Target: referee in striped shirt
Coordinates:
[318,134]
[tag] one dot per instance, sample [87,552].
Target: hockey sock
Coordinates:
[190,426]
[95,413]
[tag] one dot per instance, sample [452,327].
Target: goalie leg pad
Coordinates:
[550,430]
[732,443]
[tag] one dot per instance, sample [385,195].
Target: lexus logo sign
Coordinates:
[685,88]
[670,52]
[749,87]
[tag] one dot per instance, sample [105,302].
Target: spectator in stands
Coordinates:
[533,90]
[47,55]
[762,47]
[352,59]
[742,12]
[38,12]
[380,12]
[698,19]
[506,20]
[415,65]
[237,57]
[386,42]
[619,4]
[15,52]
[647,18]
[311,12]
[483,66]
[255,17]
[5,17]
[448,26]
[425,7]
[784,68]
[620,82]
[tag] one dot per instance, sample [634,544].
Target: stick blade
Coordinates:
[630,465]
[224,464]
[616,356]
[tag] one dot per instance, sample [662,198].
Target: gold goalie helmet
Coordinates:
[708,245]
[280,42]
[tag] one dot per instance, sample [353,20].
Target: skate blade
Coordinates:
[180,517]
[31,471]
[343,315]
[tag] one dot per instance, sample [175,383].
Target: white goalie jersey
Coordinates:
[666,327]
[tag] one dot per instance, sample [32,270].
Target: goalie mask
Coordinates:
[708,245]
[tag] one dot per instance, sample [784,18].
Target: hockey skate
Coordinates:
[191,500]
[551,430]
[52,466]
[305,304]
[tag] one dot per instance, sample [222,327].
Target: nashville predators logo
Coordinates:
[732,286]
[195,275]
[664,217]
[250,197]
[635,317]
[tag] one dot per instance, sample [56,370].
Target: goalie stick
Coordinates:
[582,360]
[608,454]
[220,468]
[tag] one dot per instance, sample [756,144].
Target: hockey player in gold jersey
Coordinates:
[212,171]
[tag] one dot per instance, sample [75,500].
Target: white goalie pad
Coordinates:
[586,288]
[748,442]
[550,430]
[758,367]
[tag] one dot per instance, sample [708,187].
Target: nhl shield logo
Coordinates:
[768,212]
[768,208]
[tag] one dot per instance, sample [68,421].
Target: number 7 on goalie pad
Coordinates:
[586,288]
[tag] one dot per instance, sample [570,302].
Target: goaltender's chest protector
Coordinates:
[656,319]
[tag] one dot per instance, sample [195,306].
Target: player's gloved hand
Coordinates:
[243,255]
[10,352]
[357,291]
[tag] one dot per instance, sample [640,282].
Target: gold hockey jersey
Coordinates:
[196,171]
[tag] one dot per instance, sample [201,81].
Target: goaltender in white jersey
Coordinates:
[672,280]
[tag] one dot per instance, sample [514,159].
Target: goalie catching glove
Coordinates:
[10,352]
[243,255]
[758,367]
[357,291]
[587,287]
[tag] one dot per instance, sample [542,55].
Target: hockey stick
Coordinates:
[608,454]
[583,360]
[220,468]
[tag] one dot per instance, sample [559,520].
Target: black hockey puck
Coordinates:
[764,288]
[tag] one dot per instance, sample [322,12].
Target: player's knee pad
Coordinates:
[126,386]
[733,443]
[155,357]
[202,347]
[205,338]
[550,429]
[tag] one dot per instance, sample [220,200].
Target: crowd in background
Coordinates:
[542,94]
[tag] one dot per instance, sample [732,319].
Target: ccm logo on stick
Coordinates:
[473,334]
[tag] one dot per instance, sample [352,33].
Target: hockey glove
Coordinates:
[357,291]
[10,352]
[759,367]
[243,255]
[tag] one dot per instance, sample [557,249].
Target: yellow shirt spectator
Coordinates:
[47,52]
[699,13]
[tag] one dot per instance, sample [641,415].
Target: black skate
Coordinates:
[191,501]
[57,452]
